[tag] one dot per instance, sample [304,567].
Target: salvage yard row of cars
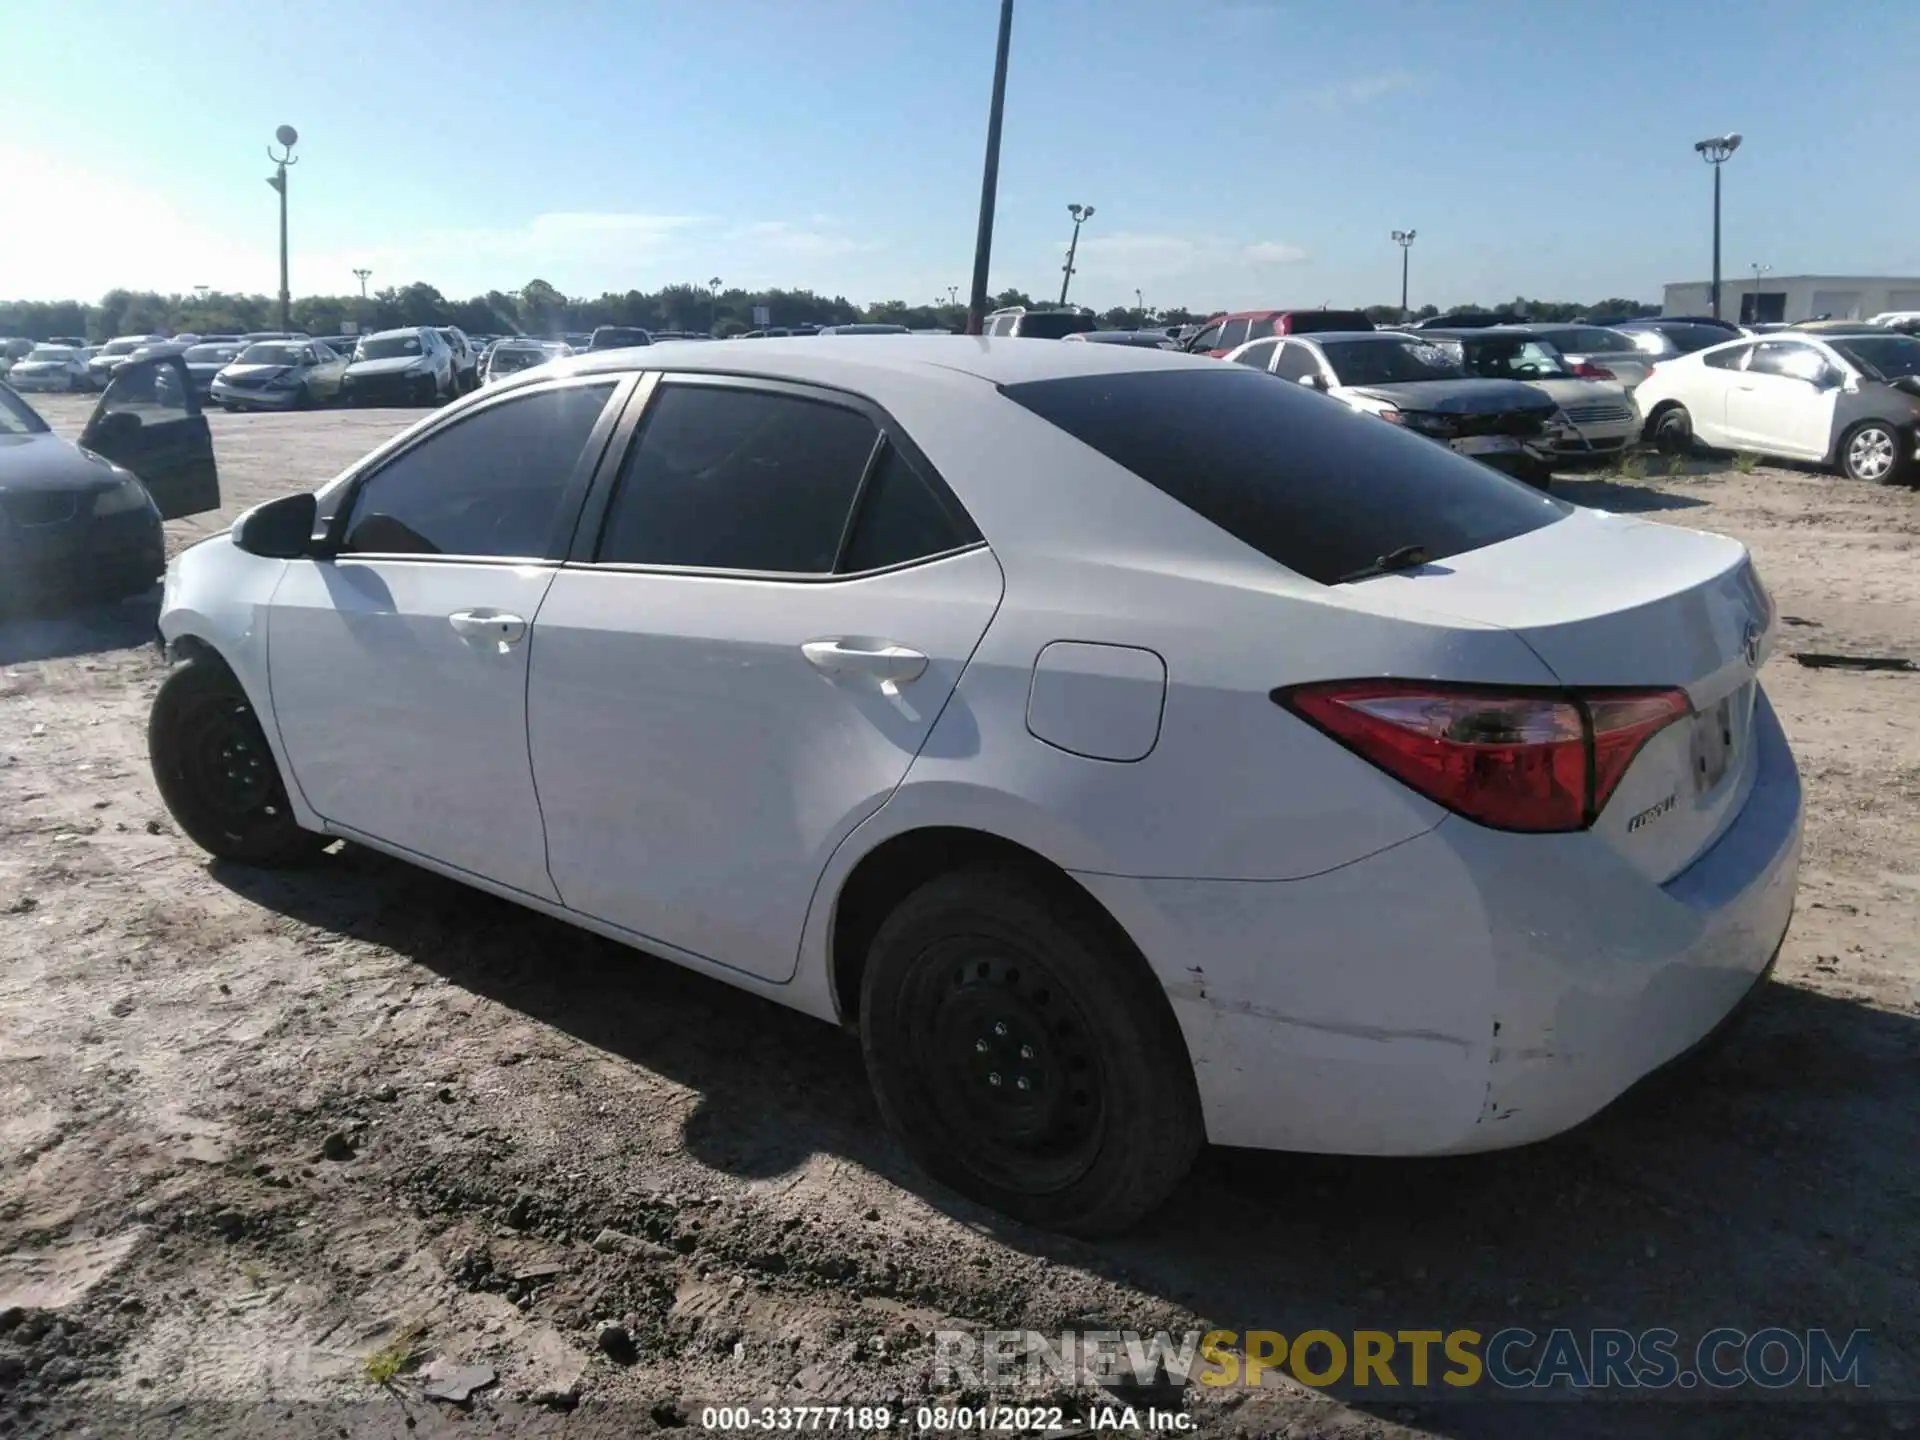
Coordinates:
[1005,597]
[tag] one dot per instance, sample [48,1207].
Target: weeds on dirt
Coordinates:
[1677,465]
[396,1355]
[1744,462]
[1628,467]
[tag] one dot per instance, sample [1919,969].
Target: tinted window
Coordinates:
[1207,339]
[1730,358]
[1258,355]
[1321,322]
[1320,488]
[1591,340]
[1296,363]
[1389,361]
[1233,333]
[733,479]
[1689,338]
[1052,324]
[493,484]
[902,519]
[1888,356]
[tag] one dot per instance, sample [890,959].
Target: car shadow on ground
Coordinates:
[47,633]
[1769,1181]
[1598,492]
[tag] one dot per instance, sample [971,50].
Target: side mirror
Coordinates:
[1314,382]
[280,529]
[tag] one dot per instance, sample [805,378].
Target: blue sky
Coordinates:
[1238,152]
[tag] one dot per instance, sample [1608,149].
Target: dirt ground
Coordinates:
[278,1151]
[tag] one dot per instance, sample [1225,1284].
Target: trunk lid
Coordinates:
[1610,601]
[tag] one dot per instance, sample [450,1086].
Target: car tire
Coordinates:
[216,772]
[1673,432]
[981,981]
[1873,451]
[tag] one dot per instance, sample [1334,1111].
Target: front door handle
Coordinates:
[880,660]
[502,629]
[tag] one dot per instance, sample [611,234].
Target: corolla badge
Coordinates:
[1750,643]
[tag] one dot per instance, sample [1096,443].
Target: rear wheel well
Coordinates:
[192,647]
[898,867]
[1653,416]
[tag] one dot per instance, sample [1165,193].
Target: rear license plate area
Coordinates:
[1485,445]
[1712,746]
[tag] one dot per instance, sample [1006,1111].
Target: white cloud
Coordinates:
[75,235]
[820,238]
[1276,252]
[1363,89]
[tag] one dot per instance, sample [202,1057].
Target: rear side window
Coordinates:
[724,478]
[1322,322]
[1234,333]
[901,518]
[493,484]
[1730,358]
[1258,355]
[1053,324]
[1320,488]
[1689,338]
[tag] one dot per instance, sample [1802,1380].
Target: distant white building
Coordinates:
[1794,297]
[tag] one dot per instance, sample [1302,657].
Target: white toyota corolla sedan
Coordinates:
[1135,751]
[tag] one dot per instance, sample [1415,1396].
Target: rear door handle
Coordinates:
[495,625]
[880,660]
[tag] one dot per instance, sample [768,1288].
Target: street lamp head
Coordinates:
[1404,237]
[1715,149]
[287,136]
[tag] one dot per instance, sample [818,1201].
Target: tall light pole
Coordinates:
[288,138]
[1081,214]
[990,175]
[713,312]
[1758,271]
[1140,305]
[361,275]
[1716,150]
[1404,239]
[953,295]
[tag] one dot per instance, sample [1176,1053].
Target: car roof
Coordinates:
[940,359]
[1322,336]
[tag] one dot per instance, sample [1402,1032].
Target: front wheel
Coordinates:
[1026,1057]
[1871,451]
[216,772]
[1673,433]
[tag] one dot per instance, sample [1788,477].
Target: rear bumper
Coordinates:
[244,399]
[1466,989]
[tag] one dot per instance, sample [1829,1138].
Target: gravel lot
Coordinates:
[271,1140]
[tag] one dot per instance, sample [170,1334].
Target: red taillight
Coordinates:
[1514,760]
[1587,370]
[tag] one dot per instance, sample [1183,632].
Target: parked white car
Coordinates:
[1850,400]
[1133,749]
[50,367]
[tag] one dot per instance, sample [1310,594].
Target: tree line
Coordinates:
[539,309]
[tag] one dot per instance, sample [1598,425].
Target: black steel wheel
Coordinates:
[1673,432]
[1025,1056]
[216,772]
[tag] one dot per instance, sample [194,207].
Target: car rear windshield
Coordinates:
[1389,362]
[210,354]
[1320,322]
[1889,356]
[388,347]
[509,358]
[50,352]
[1320,488]
[612,339]
[270,354]
[1053,324]
[121,347]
